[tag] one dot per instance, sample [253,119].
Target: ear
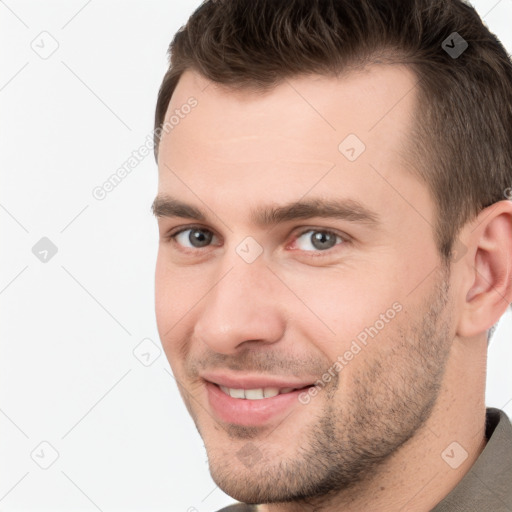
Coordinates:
[487,281]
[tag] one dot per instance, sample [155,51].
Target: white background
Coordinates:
[68,375]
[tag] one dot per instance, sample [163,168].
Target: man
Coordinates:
[335,248]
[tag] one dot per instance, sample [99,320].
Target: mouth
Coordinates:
[257,393]
[253,402]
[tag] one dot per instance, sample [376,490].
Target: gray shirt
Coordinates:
[486,487]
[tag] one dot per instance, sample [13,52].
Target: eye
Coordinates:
[193,237]
[317,240]
[310,240]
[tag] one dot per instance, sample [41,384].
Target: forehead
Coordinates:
[366,101]
[342,135]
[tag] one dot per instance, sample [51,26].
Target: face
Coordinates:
[299,294]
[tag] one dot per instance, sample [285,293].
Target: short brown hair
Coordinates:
[461,142]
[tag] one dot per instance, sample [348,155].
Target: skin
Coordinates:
[373,437]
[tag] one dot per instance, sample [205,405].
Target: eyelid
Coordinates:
[179,229]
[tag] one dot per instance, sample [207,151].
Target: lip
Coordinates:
[248,381]
[251,412]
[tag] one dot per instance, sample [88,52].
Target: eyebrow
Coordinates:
[271,215]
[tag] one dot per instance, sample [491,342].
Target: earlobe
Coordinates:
[488,288]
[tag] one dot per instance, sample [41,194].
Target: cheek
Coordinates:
[162,289]
[174,290]
[172,302]
[341,302]
[178,292]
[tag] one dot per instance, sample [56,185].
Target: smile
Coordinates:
[250,405]
[255,394]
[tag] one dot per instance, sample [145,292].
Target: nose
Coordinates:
[244,308]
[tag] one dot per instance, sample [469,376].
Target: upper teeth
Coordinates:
[255,394]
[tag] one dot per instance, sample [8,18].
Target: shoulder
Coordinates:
[487,485]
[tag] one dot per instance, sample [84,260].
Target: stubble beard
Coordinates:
[389,400]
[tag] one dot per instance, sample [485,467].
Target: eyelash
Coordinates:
[171,236]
